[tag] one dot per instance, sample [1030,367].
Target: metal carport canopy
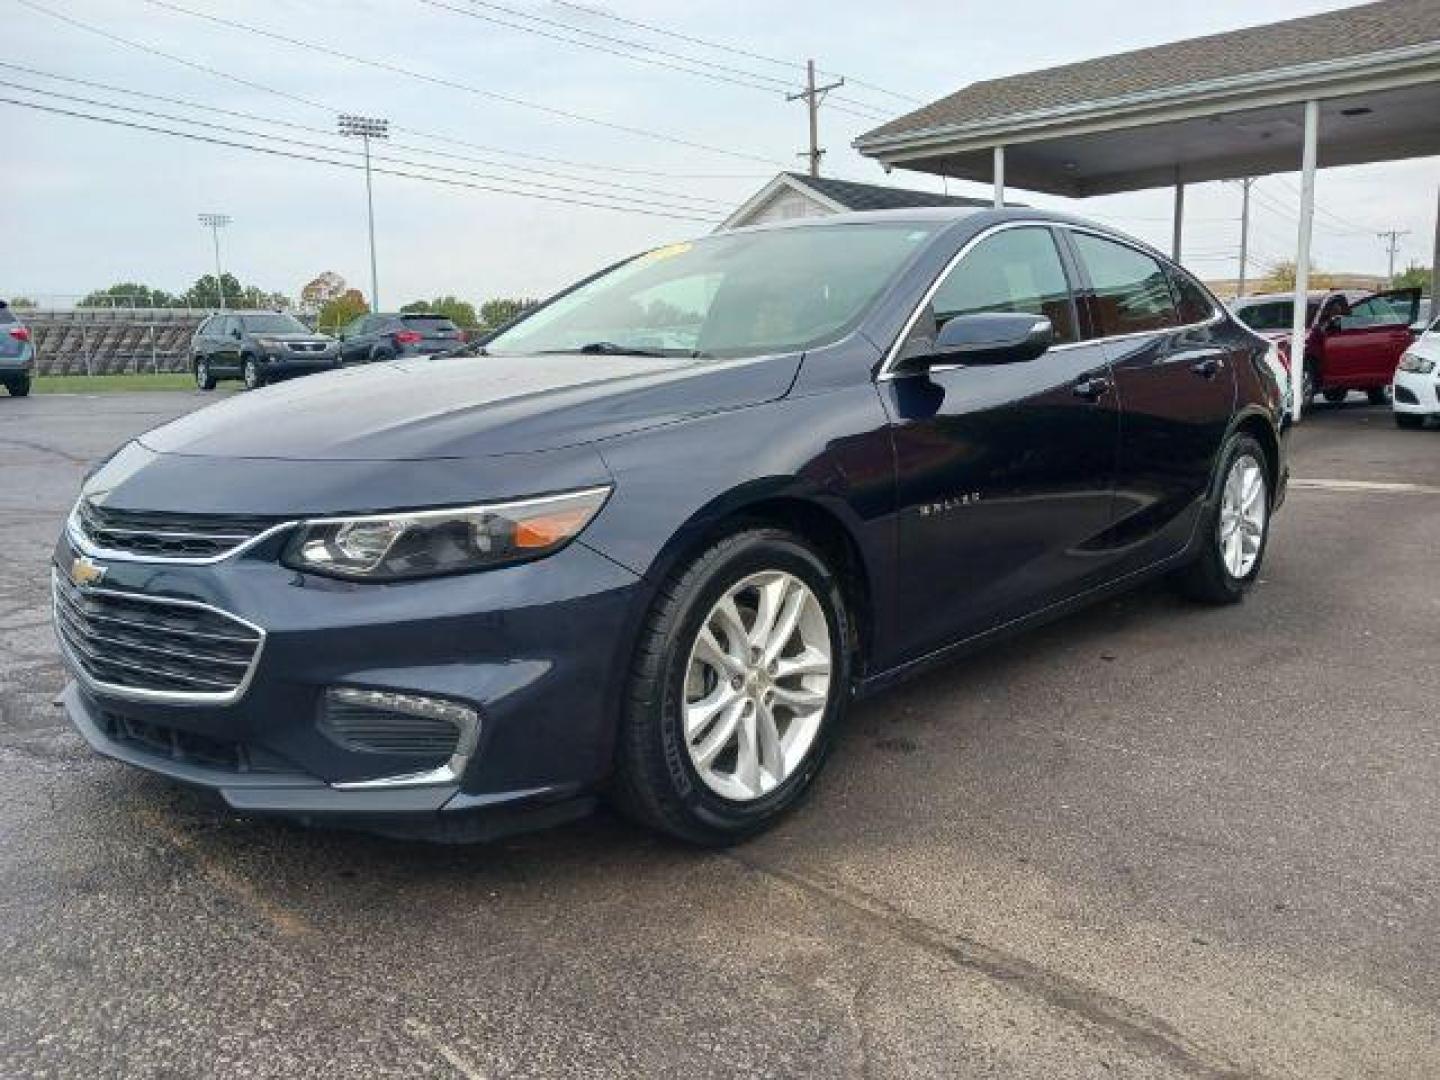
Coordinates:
[1346,87]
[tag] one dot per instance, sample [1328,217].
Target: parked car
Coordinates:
[1415,394]
[17,352]
[372,338]
[258,347]
[1354,340]
[470,602]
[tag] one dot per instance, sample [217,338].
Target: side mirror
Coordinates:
[992,337]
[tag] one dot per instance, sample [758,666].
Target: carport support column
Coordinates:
[1179,227]
[1298,326]
[999,178]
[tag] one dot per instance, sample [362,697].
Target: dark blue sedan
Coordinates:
[652,538]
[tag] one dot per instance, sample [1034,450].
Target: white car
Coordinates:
[1415,394]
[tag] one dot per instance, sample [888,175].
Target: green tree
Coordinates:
[320,290]
[456,310]
[500,310]
[1413,277]
[338,311]
[23,303]
[129,294]
[205,293]
[258,299]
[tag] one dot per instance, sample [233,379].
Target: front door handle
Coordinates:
[1206,368]
[1092,388]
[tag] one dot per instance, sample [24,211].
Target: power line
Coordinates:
[644,54]
[291,125]
[273,152]
[669,204]
[706,43]
[396,69]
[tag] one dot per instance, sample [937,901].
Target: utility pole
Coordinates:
[367,128]
[216,222]
[1244,232]
[813,95]
[1392,239]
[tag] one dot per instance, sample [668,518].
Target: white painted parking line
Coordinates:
[1387,487]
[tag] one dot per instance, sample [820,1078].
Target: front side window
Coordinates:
[1377,311]
[734,294]
[273,322]
[1130,290]
[1014,270]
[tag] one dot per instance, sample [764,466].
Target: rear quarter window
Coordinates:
[1191,299]
[1130,290]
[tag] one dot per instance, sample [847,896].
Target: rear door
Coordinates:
[1175,381]
[227,345]
[1363,346]
[354,348]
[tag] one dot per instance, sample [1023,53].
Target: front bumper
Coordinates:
[1416,394]
[286,365]
[535,649]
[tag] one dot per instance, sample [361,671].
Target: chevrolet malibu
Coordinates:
[652,540]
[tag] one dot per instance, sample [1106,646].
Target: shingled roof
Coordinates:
[1296,43]
[857,196]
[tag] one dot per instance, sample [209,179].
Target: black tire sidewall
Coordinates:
[755,554]
[246,366]
[1239,445]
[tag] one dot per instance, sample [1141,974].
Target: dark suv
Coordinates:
[387,337]
[17,354]
[258,347]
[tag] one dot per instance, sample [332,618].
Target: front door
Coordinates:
[1004,472]
[1175,378]
[1363,345]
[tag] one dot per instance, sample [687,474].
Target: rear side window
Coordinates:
[1130,290]
[1015,270]
[1192,300]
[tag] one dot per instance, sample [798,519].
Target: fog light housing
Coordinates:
[442,731]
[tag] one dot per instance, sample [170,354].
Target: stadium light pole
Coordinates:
[367,128]
[216,222]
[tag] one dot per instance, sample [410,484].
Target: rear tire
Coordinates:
[1336,397]
[382,356]
[1235,528]
[1409,421]
[669,773]
[1378,396]
[204,377]
[19,387]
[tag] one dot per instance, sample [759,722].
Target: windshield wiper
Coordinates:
[608,348]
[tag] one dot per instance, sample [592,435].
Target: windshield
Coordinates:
[273,322]
[737,294]
[1274,314]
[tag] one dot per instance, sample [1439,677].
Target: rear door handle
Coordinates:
[1206,368]
[1093,388]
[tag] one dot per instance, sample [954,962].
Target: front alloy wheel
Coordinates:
[739,681]
[757,685]
[251,374]
[203,379]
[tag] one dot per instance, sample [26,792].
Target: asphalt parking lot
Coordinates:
[1150,840]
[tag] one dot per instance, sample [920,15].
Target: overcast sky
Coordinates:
[84,204]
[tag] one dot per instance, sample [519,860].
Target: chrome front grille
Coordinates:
[179,537]
[153,648]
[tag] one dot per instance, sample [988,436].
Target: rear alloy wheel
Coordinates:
[1236,529]
[204,378]
[250,372]
[740,681]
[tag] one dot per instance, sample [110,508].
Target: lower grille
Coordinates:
[154,648]
[1405,396]
[162,741]
[167,535]
[360,727]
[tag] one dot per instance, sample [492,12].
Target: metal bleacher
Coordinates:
[112,341]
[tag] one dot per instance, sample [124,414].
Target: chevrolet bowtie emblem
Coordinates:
[85,572]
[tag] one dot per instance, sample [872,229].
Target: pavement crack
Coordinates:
[1134,1025]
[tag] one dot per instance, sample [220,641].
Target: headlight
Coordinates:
[426,543]
[1418,364]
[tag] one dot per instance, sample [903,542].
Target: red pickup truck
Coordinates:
[1354,341]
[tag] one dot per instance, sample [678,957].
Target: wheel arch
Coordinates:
[1261,428]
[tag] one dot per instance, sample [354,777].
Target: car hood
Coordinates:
[469,406]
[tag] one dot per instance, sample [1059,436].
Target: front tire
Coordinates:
[1409,421]
[1235,529]
[204,377]
[251,374]
[1378,396]
[739,682]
